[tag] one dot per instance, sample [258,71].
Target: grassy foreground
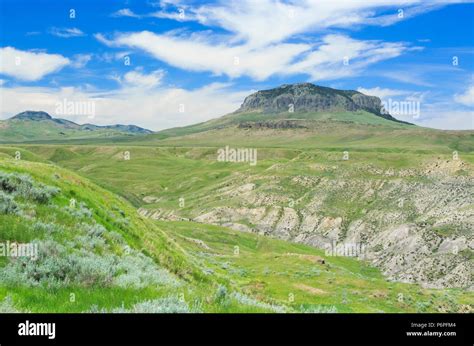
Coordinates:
[98,254]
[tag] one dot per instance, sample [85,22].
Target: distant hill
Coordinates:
[307,97]
[31,126]
[300,105]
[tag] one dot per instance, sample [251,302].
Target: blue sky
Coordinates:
[160,64]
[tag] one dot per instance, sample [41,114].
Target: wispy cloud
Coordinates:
[269,21]
[335,57]
[466,98]
[137,78]
[341,56]
[263,38]
[197,53]
[81,60]
[419,74]
[125,12]
[383,93]
[66,32]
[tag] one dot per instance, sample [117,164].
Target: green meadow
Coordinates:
[186,266]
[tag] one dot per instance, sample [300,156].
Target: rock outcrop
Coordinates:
[307,97]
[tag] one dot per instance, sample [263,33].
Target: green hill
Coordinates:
[159,223]
[301,105]
[31,126]
[97,254]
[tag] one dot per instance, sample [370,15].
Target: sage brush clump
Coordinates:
[246,300]
[7,204]
[59,266]
[7,306]
[167,305]
[24,186]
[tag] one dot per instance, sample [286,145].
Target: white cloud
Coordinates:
[125,12]
[466,98]
[259,34]
[199,53]
[29,66]
[179,15]
[81,60]
[137,79]
[156,109]
[382,92]
[340,56]
[111,56]
[269,21]
[265,36]
[418,74]
[449,120]
[66,32]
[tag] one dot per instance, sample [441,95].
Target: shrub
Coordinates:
[7,204]
[11,183]
[423,306]
[43,193]
[246,300]
[318,309]
[23,185]
[55,267]
[7,306]
[89,269]
[80,212]
[45,227]
[95,230]
[58,266]
[116,238]
[221,293]
[165,305]
[122,223]
[87,242]
[208,271]
[162,305]
[138,271]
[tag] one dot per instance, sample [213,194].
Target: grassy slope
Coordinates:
[330,136]
[27,131]
[192,173]
[269,270]
[336,130]
[262,269]
[358,131]
[233,119]
[140,234]
[286,273]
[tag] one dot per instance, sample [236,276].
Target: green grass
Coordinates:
[14,131]
[274,271]
[268,270]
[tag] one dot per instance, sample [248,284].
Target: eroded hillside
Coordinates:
[413,213]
